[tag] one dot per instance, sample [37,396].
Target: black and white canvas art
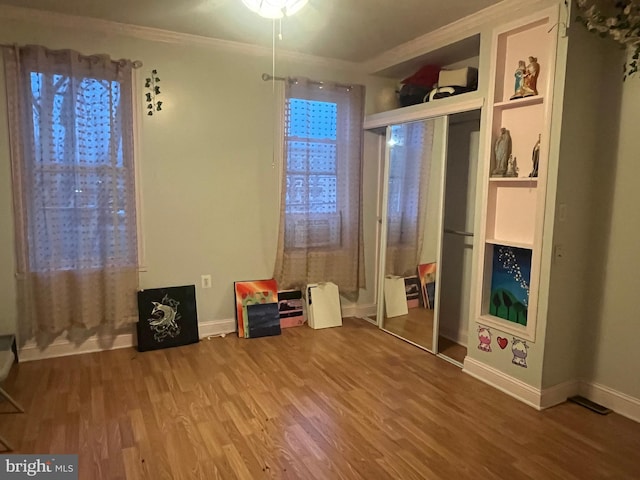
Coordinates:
[167,317]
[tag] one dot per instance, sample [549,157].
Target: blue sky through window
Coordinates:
[311,162]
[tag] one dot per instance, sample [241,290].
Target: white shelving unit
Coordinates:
[513,207]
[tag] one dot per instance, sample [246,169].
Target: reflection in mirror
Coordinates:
[457,240]
[413,219]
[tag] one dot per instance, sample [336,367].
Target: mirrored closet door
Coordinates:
[429,180]
[412,202]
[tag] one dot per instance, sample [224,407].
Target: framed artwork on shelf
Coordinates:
[510,280]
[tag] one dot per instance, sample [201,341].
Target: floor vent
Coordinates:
[585,402]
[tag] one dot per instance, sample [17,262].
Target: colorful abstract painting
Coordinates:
[290,308]
[510,280]
[252,293]
[167,317]
[427,277]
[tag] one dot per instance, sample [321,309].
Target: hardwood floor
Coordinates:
[350,402]
[451,349]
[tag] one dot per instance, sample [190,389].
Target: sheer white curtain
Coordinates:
[71,134]
[409,167]
[320,235]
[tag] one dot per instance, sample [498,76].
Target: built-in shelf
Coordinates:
[436,108]
[519,102]
[514,179]
[509,243]
[500,323]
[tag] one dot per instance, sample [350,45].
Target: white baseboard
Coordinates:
[63,347]
[552,396]
[619,402]
[216,328]
[503,382]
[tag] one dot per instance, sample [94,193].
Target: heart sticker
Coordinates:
[502,342]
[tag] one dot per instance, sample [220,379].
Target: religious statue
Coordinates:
[512,167]
[535,158]
[519,76]
[503,152]
[526,79]
[530,80]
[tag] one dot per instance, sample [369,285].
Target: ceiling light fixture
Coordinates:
[275,8]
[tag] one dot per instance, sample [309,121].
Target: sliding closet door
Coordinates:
[457,239]
[411,228]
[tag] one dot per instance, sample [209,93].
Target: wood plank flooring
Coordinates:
[451,349]
[342,403]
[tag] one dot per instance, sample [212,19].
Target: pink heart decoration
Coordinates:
[502,342]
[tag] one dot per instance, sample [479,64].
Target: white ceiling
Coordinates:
[352,30]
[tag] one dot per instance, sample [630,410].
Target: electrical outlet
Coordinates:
[205,281]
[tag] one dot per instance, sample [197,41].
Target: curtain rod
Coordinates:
[266,77]
[134,63]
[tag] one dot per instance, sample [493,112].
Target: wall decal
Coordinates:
[153,90]
[519,349]
[167,317]
[502,342]
[484,335]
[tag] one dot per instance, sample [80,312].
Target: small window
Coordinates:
[313,200]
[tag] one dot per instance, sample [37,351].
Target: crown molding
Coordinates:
[453,32]
[166,36]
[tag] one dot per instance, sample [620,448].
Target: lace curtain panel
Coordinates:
[409,167]
[320,234]
[71,136]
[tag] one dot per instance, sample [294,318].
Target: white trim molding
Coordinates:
[453,32]
[503,382]
[165,36]
[552,396]
[63,347]
[619,402]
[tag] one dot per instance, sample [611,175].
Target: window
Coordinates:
[71,127]
[311,162]
[320,236]
[80,179]
[312,202]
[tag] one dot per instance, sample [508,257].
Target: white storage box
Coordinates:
[323,305]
